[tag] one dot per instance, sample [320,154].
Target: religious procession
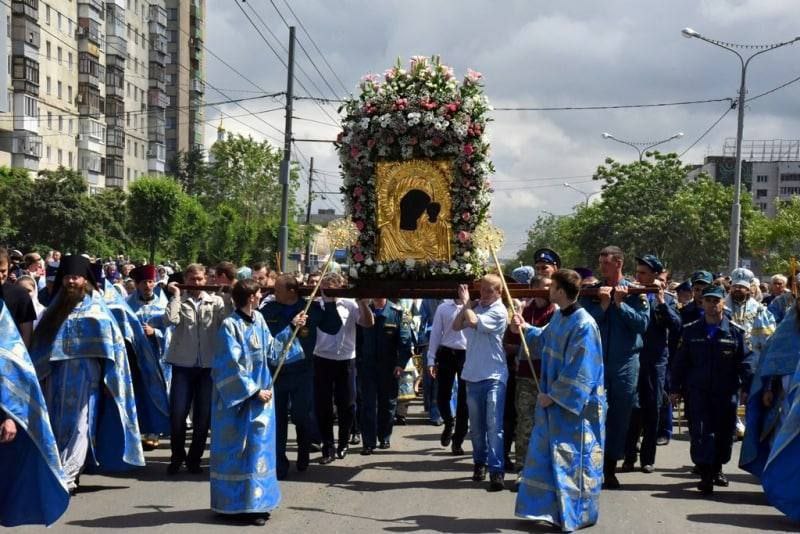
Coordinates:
[547,385]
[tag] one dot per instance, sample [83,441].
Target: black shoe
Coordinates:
[661,441]
[436,422]
[355,439]
[696,470]
[174,468]
[327,455]
[384,445]
[509,465]
[73,491]
[610,482]
[400,420]
[303,460]
[194,469]
[447,435]
[457,450]
[479,473]
[315,447]
[706,486]
[341,452]
[366,451]
[497,482]
[648,469]
[260,521]
[721,480]
[627,466]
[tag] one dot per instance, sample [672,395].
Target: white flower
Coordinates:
[414,118]
[379,268]
[453,264]
[467,267]
[364,123]
[410,262]
[353,272]
[368,262]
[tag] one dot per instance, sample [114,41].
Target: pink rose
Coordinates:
[370,143]
[464,236]
[437,141]
[466,215]
[468,149]
[359,257]
[452,107]
[358,191]
[354,152]
[412,141]
[360,225]
[466,167]
[357,206]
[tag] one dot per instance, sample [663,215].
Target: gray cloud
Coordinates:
[532,53]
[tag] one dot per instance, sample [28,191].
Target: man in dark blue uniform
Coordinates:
[622,319]
[294,390]
[712,366]
[665,323]
[382,353]
[694,309]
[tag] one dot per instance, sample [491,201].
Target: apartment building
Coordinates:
[185,74]
[770,170]
[86,86]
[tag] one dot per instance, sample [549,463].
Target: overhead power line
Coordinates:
[708,130]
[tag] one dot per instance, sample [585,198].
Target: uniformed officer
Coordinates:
[711,367]
[693,310]
[382,353]
[546,262]
[622,319]
[294,390]
[665,323]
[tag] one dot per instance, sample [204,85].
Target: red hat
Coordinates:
[144,272]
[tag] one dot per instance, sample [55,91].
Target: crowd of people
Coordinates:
[99,360]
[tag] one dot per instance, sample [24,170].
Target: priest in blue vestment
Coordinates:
[563,470]
[32,486]
[149,303]
[243,463]
[79,355]
[782,467]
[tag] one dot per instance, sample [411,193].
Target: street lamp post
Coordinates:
[642,146]
[736,209]
[584,193]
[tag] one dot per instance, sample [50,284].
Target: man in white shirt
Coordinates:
[446,354]
[335,370]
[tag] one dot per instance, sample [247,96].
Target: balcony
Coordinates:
[158,16]
[27,144]
[25,75]
[157,99]
[26,37]
[196,12]
[25,8]
[198,86]
[91,5]
[89,29]
[116,46]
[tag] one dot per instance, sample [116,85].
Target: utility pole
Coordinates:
[283,232]
[308,215]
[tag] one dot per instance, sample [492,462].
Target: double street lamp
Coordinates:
[642,146]
[586,195]
[736,209]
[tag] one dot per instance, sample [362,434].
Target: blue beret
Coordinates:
[714,291]
[704,277]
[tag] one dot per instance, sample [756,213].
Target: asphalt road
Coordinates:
[417,486]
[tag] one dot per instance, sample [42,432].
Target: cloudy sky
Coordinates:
[533,53]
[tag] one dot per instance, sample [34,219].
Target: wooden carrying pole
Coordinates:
[513,309]
[310,301]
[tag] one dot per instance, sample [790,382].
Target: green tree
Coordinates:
[191,230]
[647,207]
[153,208]
[106,224]
[191,171]
[774,241]
[15,189]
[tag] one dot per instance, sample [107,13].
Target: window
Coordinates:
[25,69]
[69,26]
[47,15]
[60,157]
[761,193]
[790,177]
[136,37]
[47,47]
[59,87]
[69,93]
[173,36]
[172,13]
[47,151]
[129,174]
[127,118]
[30,106]
[58,54]
[128,89]
[69,159]
[47,85]
[135,94]
[60,123]
[129,32]
[70,132]
[762,179]
[50,120]
[59,21]
[790,190]
[69,60]
[135,150]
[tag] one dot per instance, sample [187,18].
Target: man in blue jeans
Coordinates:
[196,316]
[485,373]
